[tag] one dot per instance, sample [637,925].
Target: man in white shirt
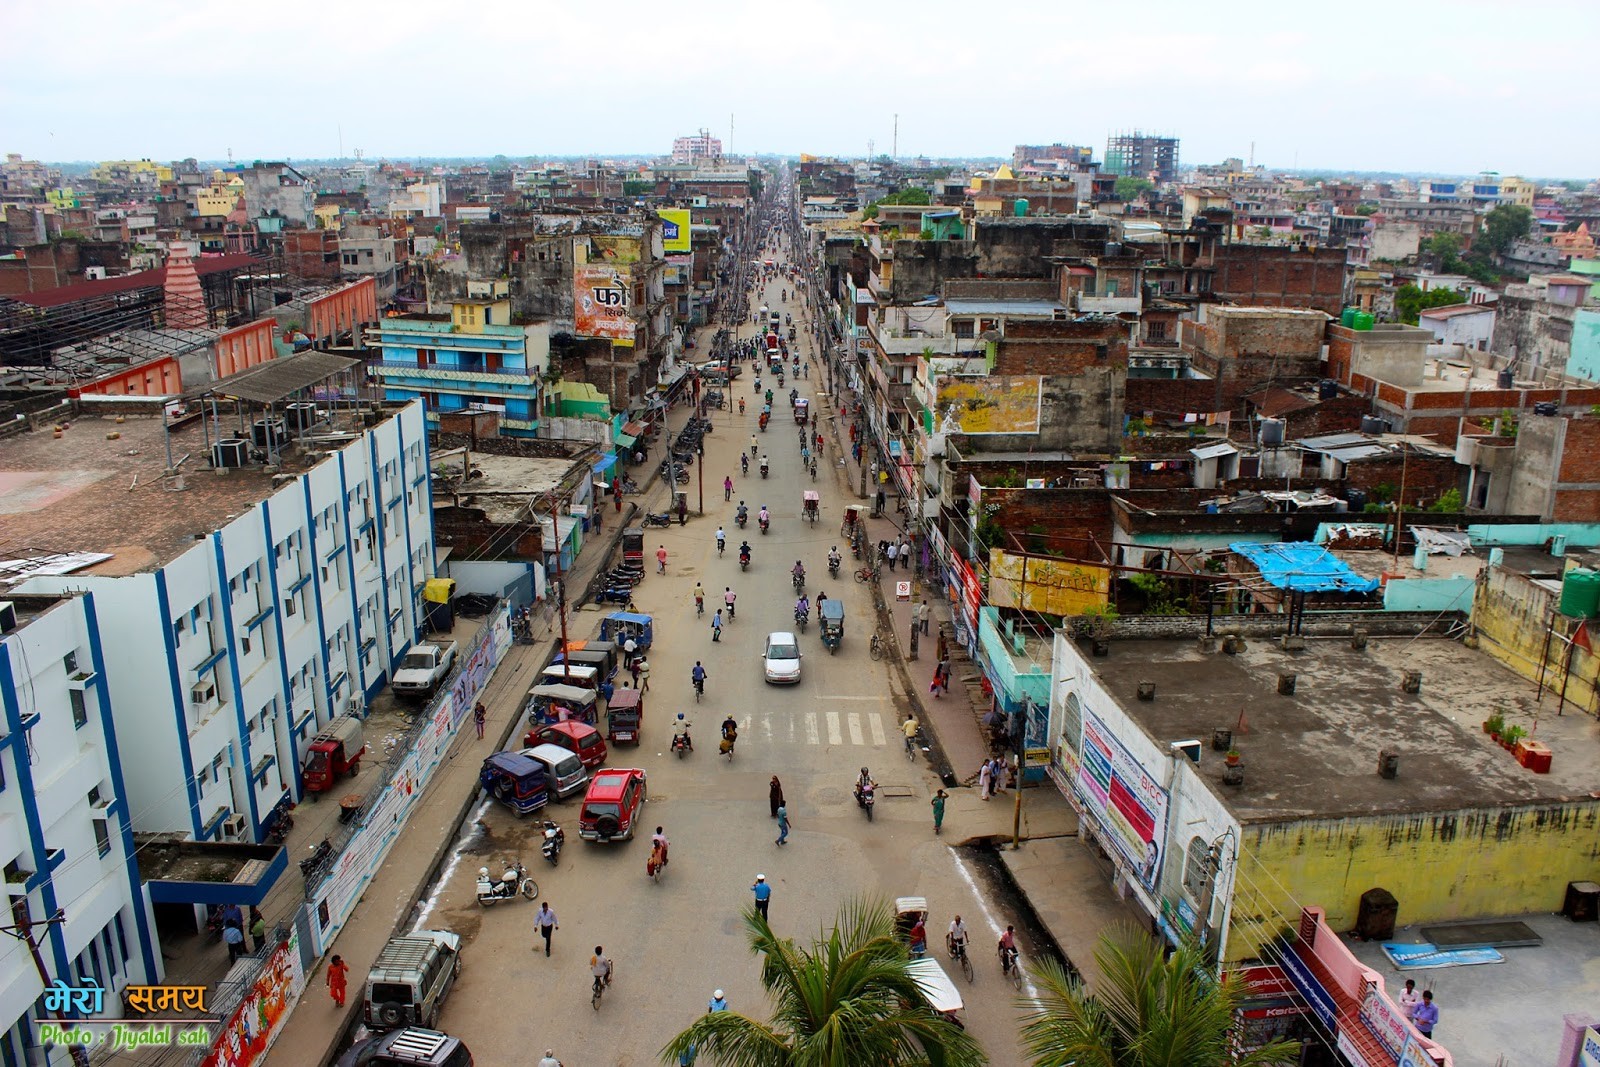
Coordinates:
[957,937]
[1409,999]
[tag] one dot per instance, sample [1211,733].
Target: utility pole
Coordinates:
[895,144]
[1019,734]
[561,601]
[23,931]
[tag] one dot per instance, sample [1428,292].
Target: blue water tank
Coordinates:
[1020,208]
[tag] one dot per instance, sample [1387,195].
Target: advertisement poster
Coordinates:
[675,230]
[1130,804]
[252,1026]
[996,403]
[600,303]
[1052,586]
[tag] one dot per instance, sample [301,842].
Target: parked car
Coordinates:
[781,660]
[424,669]
[410,978]
[612,805]
[577,737]
[409,1047]
[564,772]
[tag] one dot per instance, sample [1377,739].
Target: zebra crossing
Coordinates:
[832,728]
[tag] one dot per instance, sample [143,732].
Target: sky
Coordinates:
[1432,86]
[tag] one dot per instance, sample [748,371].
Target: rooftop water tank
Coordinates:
[1327,389]
[1580,594]
[1505,379]
[1271,432]
[1371,424]
[1362,320]
[1020,208]
[1347,318]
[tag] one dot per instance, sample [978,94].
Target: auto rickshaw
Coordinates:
[813,506]
[624,716]
[802,411]
[573,675]
[633,547]
[832,625]
[516,781]
[547,701]
[603,662]
[621,625]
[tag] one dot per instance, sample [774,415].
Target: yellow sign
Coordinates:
[676,232]
[1052,586]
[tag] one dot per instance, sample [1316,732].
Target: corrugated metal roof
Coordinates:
[279,378]
[1213,451]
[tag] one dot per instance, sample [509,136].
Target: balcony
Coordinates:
[390,369]
[895,342]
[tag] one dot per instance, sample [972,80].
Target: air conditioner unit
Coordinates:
[203,693]
[234,827]
[234,453]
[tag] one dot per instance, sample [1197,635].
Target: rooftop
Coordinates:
[1315,754]
[1451,311]
[127,283]
[1037,308]
[101,487]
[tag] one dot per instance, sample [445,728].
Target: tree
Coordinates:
[850,998]
[1366,209]
[1409,301]
[911,196]
[1129,187]
[1504,225]
[1146,1012]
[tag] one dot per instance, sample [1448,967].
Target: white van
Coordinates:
[565,774]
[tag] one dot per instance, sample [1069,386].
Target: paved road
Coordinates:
[676,940]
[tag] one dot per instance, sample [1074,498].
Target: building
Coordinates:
[250,609]
[68,813]
[700,146]
[472,358]
[1071,154]
[1139,155]
[1468,325]
[277,191]
[1248,348]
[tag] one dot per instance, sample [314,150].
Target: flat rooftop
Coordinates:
[101,487]
[1315,753]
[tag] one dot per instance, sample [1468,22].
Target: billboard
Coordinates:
[1053,586]
[1131,805]
[600,303]
[997,403]
[675,232]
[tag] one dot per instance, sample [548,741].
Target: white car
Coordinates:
[781,660]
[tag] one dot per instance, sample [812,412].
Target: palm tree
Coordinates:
[1147,1010]
[847,1000]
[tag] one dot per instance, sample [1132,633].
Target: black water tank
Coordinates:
[1547,407]
[1327,389]
[1505,379]
[1375,919]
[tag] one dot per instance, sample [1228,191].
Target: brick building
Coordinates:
[1287,276]
[1248,348]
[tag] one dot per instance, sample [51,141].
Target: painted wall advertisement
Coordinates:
[600,303]
[675,229]
[998,403]
[1129,803]
[1042,584]
[253,1025]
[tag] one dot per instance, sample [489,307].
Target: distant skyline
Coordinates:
[1430,87]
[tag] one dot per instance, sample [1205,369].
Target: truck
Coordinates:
[423,669]
[336,750]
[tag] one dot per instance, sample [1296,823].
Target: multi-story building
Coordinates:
[66,834]
[249,610]
[1140,155]
[472,358]
[1075,155]
[701,146]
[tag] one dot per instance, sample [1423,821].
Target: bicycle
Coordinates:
[699,689]
[1010,967]
[599,989]
[958,952]
[875,649]
[699,605]
[866,574]
[911,747]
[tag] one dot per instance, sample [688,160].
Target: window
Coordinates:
[70,662]
[102,836]
[80,710]
[1196,868]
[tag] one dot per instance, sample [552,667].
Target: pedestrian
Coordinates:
[233,936]
[1426,1016]
[919,617]
[1409,999]
[683,517]
[775,795]
[943,670]
[338,973]
[890,553]
[633,668]
[998,773]
[644,675]
[985,779]
[944,648]
[258,930]
[480,715]
[905,556]
[933,686]
[783,825]
[716,625]
[661,559]
[545,922]
[882,501]
[549,1059]
[630,649]
[938,809]
[763,893]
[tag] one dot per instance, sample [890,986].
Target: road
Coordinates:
[676,940]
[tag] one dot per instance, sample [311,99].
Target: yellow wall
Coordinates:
[471,318]
[1440,866]
[1517,191]
[1512,617]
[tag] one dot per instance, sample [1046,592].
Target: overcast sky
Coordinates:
[1447,86]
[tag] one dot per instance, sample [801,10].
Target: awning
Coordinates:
[625,440]
[634,428]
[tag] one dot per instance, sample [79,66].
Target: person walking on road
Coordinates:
[985,779]
[890,553]
[919,617]
[546,923]
[338,975]
[783,825]
[233,937]
[905,557]
[763,894]
[938,809]
[480,715]
[775,795]
[644,675]
[661,559]
[716,625]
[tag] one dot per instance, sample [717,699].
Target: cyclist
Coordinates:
[719,1002]
[698,677]
[909,728]
[600,967]
[744,460]
[741,405]
[699,599]
[1008,949]
[729,596]
[956,938]
[753,445]
[722,540]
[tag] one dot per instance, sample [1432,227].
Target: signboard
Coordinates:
[1589,1051]
[675,229]
[902,590]
[1052,586]
[1417,1056]
[1351,1054]
[1311,989]
[971,595]
[1385,1021]
[995,403]
[1130,805]
[253,1026]
[1263,983]
[600,303]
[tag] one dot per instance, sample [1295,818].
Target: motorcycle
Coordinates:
[515,880]
[319,856]
[799,580]
[682,745]
[282,824]
[741,518]
[763,470]
[801,618]
[764,523]
[833,566]
[614,595]
[657,519]
[866,796]
[744,561]
[554,838]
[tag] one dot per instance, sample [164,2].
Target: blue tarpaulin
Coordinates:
[1302,567]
